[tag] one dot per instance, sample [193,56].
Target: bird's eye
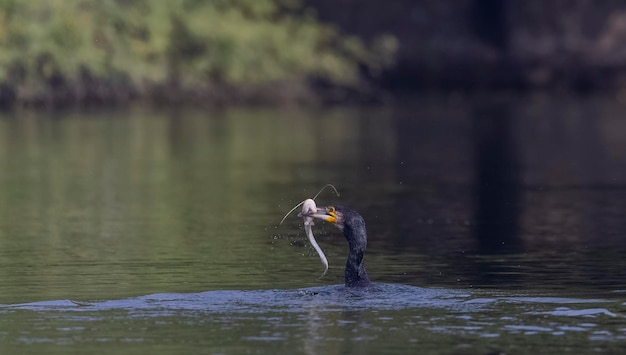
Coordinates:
[330,209]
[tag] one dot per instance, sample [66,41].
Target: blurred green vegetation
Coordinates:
[83,50]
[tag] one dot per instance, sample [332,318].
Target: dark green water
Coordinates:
[493,225]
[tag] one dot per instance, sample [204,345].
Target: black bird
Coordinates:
[353,227]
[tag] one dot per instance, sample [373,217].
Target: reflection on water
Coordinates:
[504,204]
[498,192]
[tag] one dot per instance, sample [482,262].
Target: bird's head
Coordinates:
[341,216]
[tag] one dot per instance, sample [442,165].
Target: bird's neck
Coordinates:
[355,273]
[355,269]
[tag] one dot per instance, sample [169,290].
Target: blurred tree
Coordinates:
[488,18]
[77,50]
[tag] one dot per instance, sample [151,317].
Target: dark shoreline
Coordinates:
[289,95]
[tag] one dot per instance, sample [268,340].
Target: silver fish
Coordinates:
[308,208]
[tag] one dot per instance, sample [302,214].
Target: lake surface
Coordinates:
[495,224]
